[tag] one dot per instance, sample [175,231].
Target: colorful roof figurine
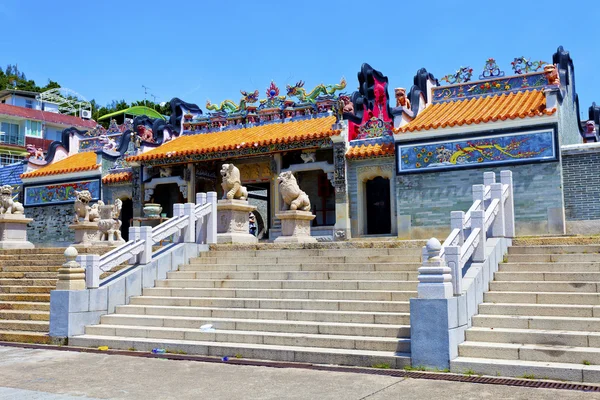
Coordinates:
[78,162]
[251,139]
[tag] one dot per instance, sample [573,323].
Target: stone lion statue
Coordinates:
[7,204]
[83,211]
[109,223]
[232,184]
[293,197]
[552,74]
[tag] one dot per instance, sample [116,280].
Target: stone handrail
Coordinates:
[491,215]
[191,223]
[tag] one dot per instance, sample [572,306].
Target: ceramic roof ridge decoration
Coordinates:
[462,75]
[491,70]
[480,110]
[522,65]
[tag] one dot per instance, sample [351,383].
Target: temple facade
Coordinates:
[372,165]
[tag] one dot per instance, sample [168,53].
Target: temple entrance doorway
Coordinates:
[126,216]
[378,206]
[166,195]
[259,196]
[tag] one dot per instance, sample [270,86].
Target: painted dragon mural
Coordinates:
[229,106]
[299,92]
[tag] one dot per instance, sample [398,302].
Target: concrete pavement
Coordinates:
[64,375]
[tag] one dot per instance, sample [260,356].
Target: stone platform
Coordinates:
[13,232]
[233,225]
[295,227]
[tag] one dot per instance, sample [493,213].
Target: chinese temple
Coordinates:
[372,165]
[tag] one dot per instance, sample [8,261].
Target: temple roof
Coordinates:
[245,138]
[117,177]
[10,174]
[78,162]
[478,110]
[371,150]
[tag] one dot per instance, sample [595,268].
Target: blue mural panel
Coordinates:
[476,151]
[63,192]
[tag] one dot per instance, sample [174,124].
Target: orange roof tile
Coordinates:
[117,177]
[314,128]
[76,163]
[371,150]
[480,109]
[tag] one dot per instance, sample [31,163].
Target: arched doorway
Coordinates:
[378,206]
[126,216]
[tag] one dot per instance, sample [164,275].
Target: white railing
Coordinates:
[490,215]
[191,223]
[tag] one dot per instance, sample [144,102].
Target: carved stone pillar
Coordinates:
[342,208]
[275,196]
[189,175]
[136,192]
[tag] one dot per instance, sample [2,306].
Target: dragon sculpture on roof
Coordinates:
[299,92]
[229,106]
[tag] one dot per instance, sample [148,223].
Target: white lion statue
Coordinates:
[7,204]
[83,211]
[109,223]
[232,184]
[293,197]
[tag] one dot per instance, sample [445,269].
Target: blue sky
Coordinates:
[199,50]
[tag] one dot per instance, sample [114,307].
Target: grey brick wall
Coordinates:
[582,185]
[50,225]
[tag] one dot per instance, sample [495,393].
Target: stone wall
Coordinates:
[582,188]
[50,225]
[426,200]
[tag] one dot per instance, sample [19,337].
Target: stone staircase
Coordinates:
[330,303]
[26,279]
[541,317]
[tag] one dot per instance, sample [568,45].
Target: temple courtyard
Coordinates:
[66,375]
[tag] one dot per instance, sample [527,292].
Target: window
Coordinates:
[11,134]
[33,128]
[28,103]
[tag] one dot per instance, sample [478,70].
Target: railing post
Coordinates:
[211,225]
[457,220]
[189,232]
[435,281]
[134,234]
[177,212]
[91,264]
[489,178]
[479,194]
[201,222]
[509,206]
[146,254]
[498,224]
[452,256]
[478,221]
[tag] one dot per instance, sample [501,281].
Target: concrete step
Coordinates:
[41,262]
[363,317]
[533,336]
[24,305]
[272,338]
[25,337]
[385,295]
[302,266]
[550,267]
[26,289]
[263,254]
[288,284]
[18,297]
[286,304]
[55,258]
[548,276]
[553,258]
[20,268]
[28,282]
[558,310]
[567,249]
[531,352]
[262,325]
[537,322]
[37,251]
[305,259]
[28,275]
[532,369]
[543,298]
[24,325]
[299,275]
[249,350]
[542,286]
[24,315]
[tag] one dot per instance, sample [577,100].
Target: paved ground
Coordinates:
[62,375]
